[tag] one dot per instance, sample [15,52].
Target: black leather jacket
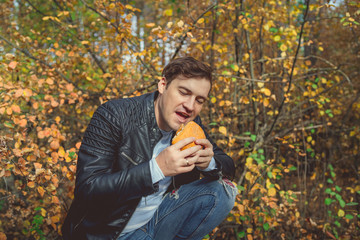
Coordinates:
[113,172]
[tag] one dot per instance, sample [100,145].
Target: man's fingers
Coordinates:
[182,143]
[190,151]
[203,142]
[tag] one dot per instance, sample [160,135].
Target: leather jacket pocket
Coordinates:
[128,158]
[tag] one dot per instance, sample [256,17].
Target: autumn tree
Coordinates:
[285,104]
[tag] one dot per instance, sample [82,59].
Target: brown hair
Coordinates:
[187,67]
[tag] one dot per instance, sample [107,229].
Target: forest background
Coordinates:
[285,104]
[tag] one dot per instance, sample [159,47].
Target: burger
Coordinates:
[191,129]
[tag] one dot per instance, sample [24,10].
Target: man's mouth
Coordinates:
[182,116]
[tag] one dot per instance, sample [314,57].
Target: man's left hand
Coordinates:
[204,155]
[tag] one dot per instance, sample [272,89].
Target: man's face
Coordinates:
[180,101]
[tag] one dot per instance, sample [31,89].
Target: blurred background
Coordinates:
[285,104]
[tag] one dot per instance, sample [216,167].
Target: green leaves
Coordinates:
[328,201]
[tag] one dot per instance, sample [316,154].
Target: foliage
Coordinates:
[285,104]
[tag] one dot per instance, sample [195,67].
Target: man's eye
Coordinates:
[201,101]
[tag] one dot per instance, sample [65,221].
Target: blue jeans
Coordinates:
[190,212]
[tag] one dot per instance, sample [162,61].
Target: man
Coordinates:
[133,184]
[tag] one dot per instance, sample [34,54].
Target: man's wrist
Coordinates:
[156,173]
[212,166]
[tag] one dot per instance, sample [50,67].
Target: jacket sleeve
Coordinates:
[225,164]
[96,182]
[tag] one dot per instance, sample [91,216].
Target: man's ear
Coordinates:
[162,85]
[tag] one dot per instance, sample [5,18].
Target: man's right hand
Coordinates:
[172,161]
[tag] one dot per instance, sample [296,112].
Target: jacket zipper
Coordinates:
[82,219]
[129,158]
[174,185]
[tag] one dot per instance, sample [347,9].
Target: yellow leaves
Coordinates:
[266,102]
[244,100]
[168,12]
[106,75]
[271,192]
[112,5]
[57,119]
[72,168]
[226,103]
[223,130]
[241,152]
[37,165]
[54,157]
[27,92]
[283,47]
[54,219]
[85,42]
[51,18]
[9,56]
[201,20]
[55,144]
[150,25]
[266,91]
[12,65]
[277,38]
[58,53]
[213,100]
[15,108]
[38,169]
[49,81]
[235,68]
[248,176]
[249,161]
[55,200]
[77,145]
[341,213]
[9,111]
[260,84]
[63,13]
[61,152]
[31,184]
[246,57]
[41,191]
[120,68]
[129,7]
[43,212]
[54,103]
[352,133]
[169,24]
[180,24]
[18,93]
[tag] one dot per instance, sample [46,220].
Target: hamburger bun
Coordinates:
[191,129]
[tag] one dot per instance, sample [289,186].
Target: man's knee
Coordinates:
[228,192]
[224,193]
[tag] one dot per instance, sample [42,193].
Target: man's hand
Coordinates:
[205,154]
[172,161]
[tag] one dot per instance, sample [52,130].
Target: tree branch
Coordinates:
[292,70]
[184,36]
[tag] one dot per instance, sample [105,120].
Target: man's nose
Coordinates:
[189,104]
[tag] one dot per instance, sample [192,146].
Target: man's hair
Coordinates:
[187,67]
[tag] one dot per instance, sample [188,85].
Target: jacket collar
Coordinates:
[152,124]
